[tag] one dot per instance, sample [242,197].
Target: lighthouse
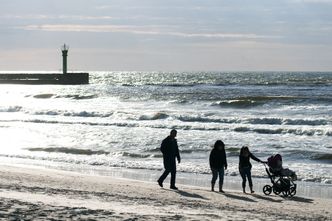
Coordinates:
[64,50]
[48,78]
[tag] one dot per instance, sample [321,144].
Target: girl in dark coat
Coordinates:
[245,167]
[218,163]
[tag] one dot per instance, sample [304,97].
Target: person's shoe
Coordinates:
[221,191]
[244,190]
[174,188]
[251,191]
[160,183]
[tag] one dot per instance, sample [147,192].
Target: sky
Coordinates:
[166,35]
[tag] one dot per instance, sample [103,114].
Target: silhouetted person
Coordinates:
[170,150]
[245,167]
[218,164]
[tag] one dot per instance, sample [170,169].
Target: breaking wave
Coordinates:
[253,101]
[43,96]
[267,121]
[241,129]
[157,116]
[73,114]
[11,109]
[70,96]
[68,150]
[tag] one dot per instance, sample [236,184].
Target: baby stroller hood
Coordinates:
[275,161]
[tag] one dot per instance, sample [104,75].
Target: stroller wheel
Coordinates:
[292,191]
[267,189]
[285,193]
[276,192]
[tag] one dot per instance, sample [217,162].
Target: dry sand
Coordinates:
[44,194]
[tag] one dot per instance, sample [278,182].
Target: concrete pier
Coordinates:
[56,78]
[26,78]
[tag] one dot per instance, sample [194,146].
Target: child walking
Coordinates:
[218,163]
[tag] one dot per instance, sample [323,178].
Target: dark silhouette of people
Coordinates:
[245,167]
[169,148]
[218,164]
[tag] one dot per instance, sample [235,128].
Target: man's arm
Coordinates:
[178,153]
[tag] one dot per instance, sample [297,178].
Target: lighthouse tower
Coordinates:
[64,50]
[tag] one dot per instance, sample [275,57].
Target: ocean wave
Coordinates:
[312,155]
[73,114]
[43,96]
[233,149]
[70,96]
[157,116]
[267,121]
[78,96]
[153,150]
[322,156]
[236,103]
[11,109]
[208,120]
[253,101]
[314,131]
[68,150]
[136,155]
[316,122]
[180,101]
[119,124]
[301,132]
[287,121]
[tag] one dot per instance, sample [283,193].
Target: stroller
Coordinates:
[282,179]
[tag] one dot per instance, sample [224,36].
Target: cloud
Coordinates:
[55,17]
[139,30]
[314,1]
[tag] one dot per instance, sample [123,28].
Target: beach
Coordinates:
[92,152]
[31,193]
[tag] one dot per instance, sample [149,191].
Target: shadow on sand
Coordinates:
[192,195]
[237,197]
[186,194]
[301,199]
[295,198]
[267,198]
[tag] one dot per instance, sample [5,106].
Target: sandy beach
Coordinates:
[45,194]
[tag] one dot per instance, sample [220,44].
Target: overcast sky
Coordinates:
[167,35]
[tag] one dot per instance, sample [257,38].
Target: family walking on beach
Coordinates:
[217,160]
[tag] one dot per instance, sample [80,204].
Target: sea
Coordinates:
[118,121]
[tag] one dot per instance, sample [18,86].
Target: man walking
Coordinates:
[169,148]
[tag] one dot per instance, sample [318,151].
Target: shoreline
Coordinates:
[34,193]
[233,183]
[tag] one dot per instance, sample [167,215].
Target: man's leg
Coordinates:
[173,177]
[163,177]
